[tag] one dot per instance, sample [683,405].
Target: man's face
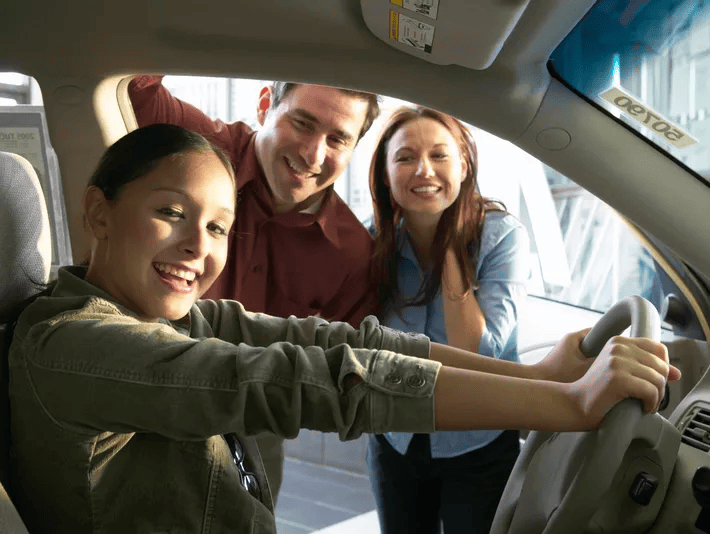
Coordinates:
[306,142]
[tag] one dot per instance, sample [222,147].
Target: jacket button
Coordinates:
[256,269]
[393,379]
[415,381]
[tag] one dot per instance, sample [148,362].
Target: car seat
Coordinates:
[25,257]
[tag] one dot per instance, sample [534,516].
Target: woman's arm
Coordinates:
[463,317]
[484,321]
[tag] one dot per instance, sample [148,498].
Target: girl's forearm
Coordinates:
[470,400]
[461,359]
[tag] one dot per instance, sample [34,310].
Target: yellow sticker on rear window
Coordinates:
[406,30]
[648,118]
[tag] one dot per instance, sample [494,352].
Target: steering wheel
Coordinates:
[562,479]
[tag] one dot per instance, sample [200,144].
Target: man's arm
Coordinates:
[153,104]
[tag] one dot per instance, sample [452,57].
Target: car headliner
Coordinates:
[80,50]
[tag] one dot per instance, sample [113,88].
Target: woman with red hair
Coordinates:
[450,264]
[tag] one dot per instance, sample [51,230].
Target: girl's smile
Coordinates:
[163,242]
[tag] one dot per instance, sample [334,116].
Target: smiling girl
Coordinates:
[133,402]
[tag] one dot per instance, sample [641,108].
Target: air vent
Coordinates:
[697,430]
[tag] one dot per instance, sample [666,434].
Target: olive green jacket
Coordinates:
[117,423]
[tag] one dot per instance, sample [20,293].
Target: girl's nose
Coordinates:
[195,243]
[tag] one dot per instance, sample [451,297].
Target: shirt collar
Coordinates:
[325,213]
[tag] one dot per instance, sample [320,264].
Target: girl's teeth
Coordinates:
[187,275]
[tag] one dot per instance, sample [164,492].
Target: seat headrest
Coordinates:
[26,243]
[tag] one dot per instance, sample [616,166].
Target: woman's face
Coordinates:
[424,167]
[163,242]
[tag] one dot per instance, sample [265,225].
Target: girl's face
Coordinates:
[424,167]
[163,242]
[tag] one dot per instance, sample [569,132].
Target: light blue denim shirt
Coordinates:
[502,271]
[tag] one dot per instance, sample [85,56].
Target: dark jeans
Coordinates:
[415,492]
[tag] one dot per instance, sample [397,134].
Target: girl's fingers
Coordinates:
[654,385]
[654,347]
[644,351]
[645,390]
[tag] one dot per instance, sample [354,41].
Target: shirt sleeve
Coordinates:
[504,268]
[153,104]
[96,370]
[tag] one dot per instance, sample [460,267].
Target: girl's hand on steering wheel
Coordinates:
[626,367]
[565,362]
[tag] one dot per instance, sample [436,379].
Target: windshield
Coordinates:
[647,62]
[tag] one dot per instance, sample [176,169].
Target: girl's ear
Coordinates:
[464,168]
[96,207]
[264,104]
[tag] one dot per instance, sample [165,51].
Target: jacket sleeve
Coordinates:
[153,104]
[96,370]
[502,275]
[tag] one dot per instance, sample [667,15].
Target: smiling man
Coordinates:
[295,248]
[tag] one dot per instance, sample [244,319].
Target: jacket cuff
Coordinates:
[409,343]
[402,393]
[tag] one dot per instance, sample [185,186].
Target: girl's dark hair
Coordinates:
[138,152]
[131,157]
[459,227]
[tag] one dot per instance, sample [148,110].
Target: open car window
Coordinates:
[583,253]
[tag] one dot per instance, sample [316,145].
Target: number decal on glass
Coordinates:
[641,114]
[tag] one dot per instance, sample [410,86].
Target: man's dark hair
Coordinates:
[280,89]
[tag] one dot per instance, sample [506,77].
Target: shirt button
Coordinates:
[256,269]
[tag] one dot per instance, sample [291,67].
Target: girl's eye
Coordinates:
[403,158]
[441,156]
[218,229]
[171,212]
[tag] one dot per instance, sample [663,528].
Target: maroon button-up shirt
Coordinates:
[282,264]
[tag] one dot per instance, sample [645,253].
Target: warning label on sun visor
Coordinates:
[428,8]
[411,32]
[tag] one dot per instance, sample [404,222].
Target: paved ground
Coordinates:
[325,500]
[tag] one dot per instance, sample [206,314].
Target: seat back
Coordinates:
[25,257]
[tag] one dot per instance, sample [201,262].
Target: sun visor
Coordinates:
[469,33]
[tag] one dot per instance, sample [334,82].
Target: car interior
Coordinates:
[611,98]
